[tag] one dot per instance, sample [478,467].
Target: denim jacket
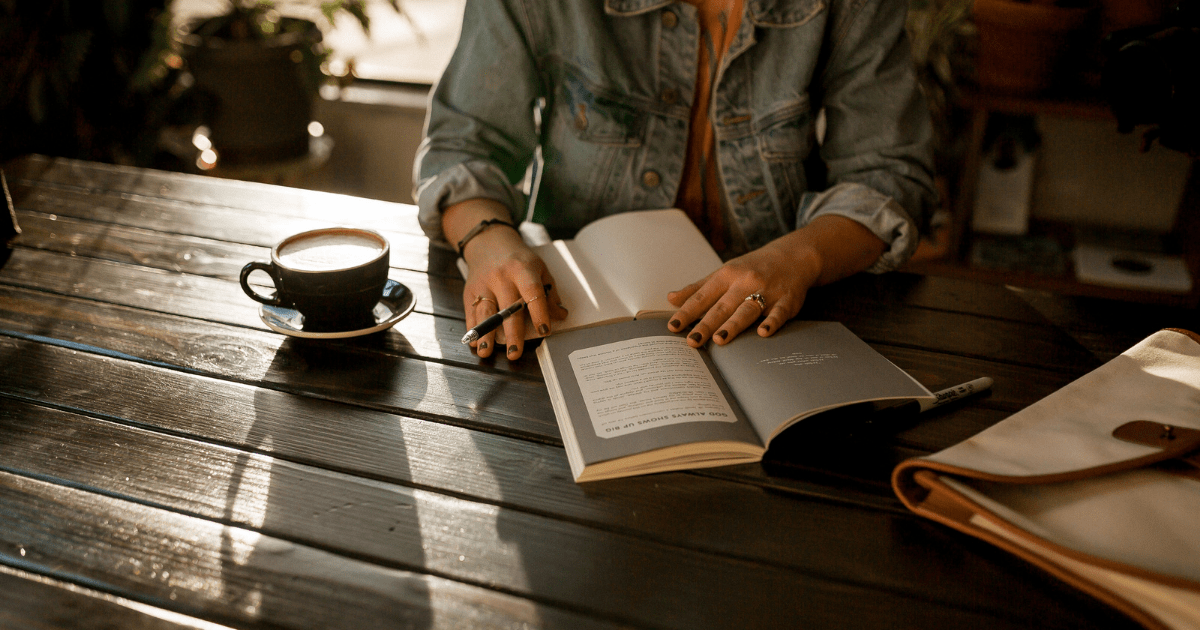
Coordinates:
[617,78]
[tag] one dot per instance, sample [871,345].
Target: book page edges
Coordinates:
[558,403]
[680,457]
[812,412]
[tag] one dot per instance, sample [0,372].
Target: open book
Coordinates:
[632,398]
[622,266]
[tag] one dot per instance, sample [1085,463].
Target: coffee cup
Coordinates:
[333,276]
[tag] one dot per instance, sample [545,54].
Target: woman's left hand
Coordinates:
[780,274]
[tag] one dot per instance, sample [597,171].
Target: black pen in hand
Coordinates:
[492,323]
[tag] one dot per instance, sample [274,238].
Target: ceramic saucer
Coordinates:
[396,302]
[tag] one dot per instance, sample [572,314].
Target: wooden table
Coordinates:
[168,462]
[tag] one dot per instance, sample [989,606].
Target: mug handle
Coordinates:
[254,295]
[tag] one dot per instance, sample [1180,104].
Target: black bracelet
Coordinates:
[483,225]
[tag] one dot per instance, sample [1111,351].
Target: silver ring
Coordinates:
[480,298]
[759,299]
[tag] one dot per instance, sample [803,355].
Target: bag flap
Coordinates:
[1069,434]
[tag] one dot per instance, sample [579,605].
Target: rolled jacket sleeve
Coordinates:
[479,133]
[878,144]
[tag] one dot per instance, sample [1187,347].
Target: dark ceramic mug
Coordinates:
[332,276]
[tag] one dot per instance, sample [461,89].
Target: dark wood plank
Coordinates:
[501,401]
[1108,327]
[107,183]
[1017,343]
[233,575]
[193,295]
[937,293]
[514,551]
[1015,387]
[178,252]
[29,601]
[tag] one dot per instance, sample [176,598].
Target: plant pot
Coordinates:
[1023,46]
[261,90]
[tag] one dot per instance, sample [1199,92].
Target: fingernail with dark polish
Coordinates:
[765,328]
[512,349]
[695,337]
[483,345]
[543,330]
[675,324]
[722,334]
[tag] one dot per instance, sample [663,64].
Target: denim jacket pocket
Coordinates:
[593,137]
[784,139]
[785,135]
[599,117]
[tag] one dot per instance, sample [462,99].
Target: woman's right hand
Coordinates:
[501,270]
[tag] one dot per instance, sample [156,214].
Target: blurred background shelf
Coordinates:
[1100,174]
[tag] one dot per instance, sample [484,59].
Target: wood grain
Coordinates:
[146,186]
[36,602]
[231,575]
[502,548]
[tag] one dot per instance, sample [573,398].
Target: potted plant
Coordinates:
[87,80]
[258,71]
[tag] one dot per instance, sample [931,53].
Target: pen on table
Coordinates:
[945,396]
[492,323]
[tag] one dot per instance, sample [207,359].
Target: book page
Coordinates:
[805,368]
[581,287]
[646,254]
[637,384]
[572,409]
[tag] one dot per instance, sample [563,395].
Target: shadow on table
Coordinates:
[283,487]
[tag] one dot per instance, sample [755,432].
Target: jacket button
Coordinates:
[669,19]
[651,179]
[669,96]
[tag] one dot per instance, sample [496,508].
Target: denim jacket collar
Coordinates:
[764,13]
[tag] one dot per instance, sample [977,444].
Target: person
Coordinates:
[712,106]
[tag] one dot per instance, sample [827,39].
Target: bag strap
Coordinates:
[1182,442]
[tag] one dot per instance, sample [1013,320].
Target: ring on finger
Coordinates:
[757,298]
[480,298]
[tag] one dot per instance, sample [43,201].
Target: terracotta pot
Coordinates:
[262,96]
[1022,46]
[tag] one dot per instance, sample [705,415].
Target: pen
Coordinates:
[969,388]
[492,323]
